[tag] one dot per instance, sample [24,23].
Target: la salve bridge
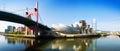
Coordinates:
[38,28]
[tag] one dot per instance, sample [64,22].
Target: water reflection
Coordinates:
[30,44]
[113,36]
[71,44]
[27,42]
[62,44]
[79,44]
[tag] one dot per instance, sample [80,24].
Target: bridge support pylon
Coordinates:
[36,30]
[26,30]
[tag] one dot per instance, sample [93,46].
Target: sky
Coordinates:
[106,12]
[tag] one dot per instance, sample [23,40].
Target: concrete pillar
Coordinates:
[26,29]
[36,32]
[31,32]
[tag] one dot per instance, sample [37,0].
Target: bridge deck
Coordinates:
[6,16]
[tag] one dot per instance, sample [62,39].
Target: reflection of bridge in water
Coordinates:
[30,44]
[77,44]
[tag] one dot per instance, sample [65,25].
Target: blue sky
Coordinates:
[106,12]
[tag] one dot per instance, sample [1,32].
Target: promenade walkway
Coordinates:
[20,35]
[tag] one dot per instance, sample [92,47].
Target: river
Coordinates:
[108,43]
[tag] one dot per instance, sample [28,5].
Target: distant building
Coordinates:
[6,31]
[10,28]
[20,29]
[80,27]
[64,28]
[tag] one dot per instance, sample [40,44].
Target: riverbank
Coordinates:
[77,35]
[18,35]
[58,36]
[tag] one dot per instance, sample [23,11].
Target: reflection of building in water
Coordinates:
[72,44]
[30,44]
[75,44]
[27,42]
[94,45]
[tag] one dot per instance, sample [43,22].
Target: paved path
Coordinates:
[20,35]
